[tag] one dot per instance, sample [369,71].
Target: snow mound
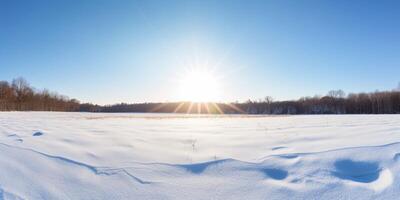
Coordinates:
[354,170]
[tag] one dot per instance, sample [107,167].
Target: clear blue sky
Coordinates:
[131,51]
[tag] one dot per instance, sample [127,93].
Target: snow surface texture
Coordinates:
[164,156]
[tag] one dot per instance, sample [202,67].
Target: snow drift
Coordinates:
[146,156]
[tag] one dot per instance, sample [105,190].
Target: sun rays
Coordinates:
[188,107]
[201,82]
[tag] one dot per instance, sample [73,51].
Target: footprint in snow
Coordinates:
[358,171]
[274,173]
[15,137]
[37,133]
[369,174]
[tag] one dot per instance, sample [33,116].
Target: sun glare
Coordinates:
[199,85]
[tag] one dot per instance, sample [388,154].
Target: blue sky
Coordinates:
[132,51]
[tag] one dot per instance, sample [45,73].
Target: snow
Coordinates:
[46,155]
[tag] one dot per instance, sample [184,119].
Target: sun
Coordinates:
[199,85]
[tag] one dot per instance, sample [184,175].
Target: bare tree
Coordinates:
[268,100]
[336,94]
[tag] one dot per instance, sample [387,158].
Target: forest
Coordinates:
[18,95]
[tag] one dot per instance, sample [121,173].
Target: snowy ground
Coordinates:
[162,156]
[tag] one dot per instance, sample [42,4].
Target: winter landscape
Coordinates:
[172,156]
[199,100]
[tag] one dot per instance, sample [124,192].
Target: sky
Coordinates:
[135,51]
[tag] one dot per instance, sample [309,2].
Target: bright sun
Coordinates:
[199,85]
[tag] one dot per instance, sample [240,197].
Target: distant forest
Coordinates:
[20,96]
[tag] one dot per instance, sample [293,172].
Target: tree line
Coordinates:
[18,95]
[335,102]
